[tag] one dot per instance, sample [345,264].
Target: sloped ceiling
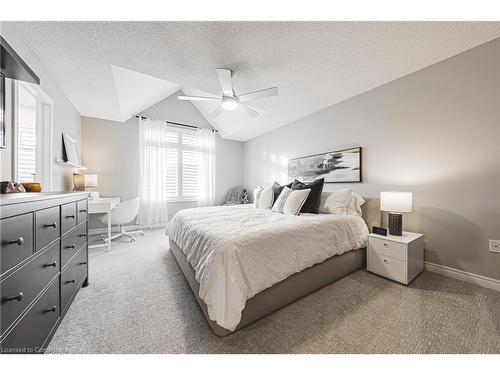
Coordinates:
[114,69]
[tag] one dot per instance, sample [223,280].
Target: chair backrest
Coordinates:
[125,212]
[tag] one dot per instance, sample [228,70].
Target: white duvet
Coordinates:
[238,251]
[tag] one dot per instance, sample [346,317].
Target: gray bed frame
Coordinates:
[292,288]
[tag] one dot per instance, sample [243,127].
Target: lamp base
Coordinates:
[395,224]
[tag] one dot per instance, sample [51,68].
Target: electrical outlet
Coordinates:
[495,246]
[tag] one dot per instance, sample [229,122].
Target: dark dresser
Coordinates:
[43,264]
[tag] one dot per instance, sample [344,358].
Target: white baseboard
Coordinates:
[114,229]
[486,282]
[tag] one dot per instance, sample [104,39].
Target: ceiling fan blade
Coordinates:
[197,98]
[215,113]
[248,111]
[271,91]
[226,82]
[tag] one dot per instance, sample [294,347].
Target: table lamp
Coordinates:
[91,182]
[396,203]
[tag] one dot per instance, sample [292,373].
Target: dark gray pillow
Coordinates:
[311,204]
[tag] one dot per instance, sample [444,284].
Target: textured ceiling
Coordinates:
[314,64]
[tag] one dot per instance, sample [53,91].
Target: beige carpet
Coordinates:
[139,302]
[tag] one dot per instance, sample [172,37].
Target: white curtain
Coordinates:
[153,172]
[206,167]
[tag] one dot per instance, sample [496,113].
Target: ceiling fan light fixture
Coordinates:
[229,103]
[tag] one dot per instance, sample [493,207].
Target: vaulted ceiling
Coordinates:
[112,70]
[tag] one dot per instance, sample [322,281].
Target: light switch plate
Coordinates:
[495,246]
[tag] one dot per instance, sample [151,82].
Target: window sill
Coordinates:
[185,200]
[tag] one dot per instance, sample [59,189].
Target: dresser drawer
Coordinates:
[387,266]
[72,242]
[47,226]
[72,277]
[82,211]
[32,331]
[26,283]
[388,248]
[16,240]
[68,217]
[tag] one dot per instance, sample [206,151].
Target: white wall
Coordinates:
[435,132]
[65,118]
[111,150]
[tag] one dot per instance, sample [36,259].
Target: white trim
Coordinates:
[486,282]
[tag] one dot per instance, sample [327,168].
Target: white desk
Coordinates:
[103,206]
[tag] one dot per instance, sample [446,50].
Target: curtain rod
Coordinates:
[176,123]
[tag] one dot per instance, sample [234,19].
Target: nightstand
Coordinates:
[400,258]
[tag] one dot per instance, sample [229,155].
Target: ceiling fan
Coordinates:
[229,100]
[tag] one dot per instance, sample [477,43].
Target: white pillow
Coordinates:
[355,203]
[295,201]
[337,202]
[280,202]
[256,196]
[266,198]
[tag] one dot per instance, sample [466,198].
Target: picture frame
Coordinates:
[71,149]
[340,166]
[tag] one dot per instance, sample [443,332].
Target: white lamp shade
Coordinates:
[396,201]
[90,180]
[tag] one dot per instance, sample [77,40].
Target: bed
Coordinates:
[244,263]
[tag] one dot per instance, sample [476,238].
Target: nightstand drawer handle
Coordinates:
[70,246]
[70,217]
[386,245]
[53,225]
[385,261]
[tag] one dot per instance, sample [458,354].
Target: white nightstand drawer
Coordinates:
[388,248]
[387,266]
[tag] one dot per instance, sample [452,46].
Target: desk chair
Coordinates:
[123,214]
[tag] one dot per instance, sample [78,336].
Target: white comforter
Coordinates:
[238,251]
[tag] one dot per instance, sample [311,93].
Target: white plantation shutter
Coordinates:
[182,165]
[26,136]
[172,173]
[189,173]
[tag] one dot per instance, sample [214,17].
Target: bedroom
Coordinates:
[250,187]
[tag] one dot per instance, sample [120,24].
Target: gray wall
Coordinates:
[111,150]
[65,119]
[435,132]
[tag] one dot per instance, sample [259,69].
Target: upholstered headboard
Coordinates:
[371,212]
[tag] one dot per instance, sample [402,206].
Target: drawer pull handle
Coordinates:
[18,298]
[53,264]
[52,309]
[83,263]
[83,235]
[19,241]
[70,217]
[385,261]
[70,246]
[53,225]
[386,245]
[70,281]
[83,210]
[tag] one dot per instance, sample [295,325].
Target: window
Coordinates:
[32,134]
[26,135]
[182,164]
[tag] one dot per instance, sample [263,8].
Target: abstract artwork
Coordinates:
[335,166]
